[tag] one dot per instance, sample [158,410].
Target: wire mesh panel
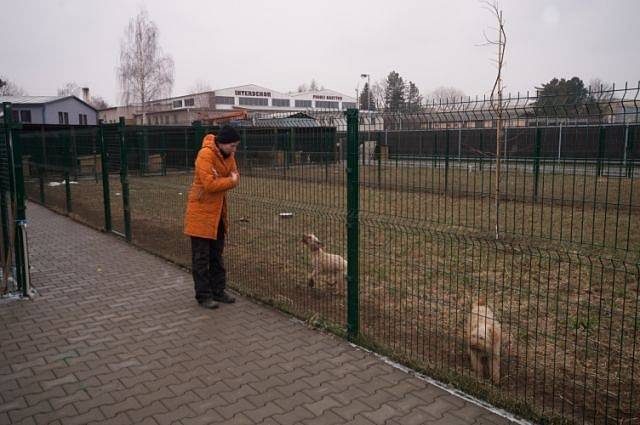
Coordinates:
[86,177]
[292,185]
[112,141]
[160,166]
[553,297]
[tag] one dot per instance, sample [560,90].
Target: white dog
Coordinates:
[484,337]
[323,263]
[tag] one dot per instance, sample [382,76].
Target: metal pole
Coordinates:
[446,161]
[536,163]
[560,143]
[66,172]
[104,164]
[626,146]
[353,197]
[16,179]
[601,138]
[124,180]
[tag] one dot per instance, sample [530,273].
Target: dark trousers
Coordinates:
[209,275]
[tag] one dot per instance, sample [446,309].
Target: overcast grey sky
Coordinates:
[283,43]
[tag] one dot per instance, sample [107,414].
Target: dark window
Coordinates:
[280,102]
[177,103]
[66,117]
[60,118]
[348,105]
[15,116]
[225,100]
[82,119]
[327,105]
[253,101]
[189,102]
[303,104]
[25,116]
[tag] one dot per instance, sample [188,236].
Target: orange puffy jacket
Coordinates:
[207,200]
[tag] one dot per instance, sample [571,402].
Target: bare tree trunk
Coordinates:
[498,107]
[499,124]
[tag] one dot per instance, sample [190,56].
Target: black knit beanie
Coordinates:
[227,134]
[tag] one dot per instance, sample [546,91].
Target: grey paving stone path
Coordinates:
[116,337]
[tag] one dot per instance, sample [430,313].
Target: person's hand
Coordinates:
[235,177]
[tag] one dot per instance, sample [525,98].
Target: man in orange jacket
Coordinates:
[206,219]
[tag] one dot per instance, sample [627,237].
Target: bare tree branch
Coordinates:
[444,93]
[7,88]
[145,73]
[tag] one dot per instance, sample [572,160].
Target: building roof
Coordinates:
[297,120]
[39,100]
[34,100]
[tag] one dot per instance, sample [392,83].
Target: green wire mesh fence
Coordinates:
[415,209]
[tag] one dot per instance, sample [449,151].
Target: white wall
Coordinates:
[72,106]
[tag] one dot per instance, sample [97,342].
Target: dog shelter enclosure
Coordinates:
[412,200]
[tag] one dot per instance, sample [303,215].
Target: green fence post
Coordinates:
[42,166]
[353,237]
[246,162]
[481,158]
[198,134]
[144,166]
[630,159]
[4,205]
[16,178]
[446,160]
[289,155]
[67,167]
[434,151]
[536,162]
[124,180]
[601,138]
[379,159]
[22,260]
[104,164]
[73,152]
[326,143]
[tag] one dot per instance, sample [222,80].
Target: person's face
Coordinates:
[229,148]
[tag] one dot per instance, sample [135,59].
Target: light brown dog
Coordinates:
[332,266]
[484,337]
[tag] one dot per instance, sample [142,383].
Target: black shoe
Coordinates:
[224,298]
[209,304]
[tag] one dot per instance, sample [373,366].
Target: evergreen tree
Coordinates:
[394,96]
[414,99]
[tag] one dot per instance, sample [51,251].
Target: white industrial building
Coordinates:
[257,98]
[232,102]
